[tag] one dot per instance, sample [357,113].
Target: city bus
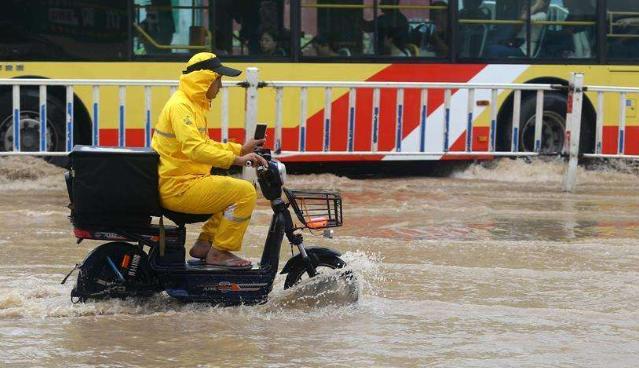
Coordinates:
[466,41]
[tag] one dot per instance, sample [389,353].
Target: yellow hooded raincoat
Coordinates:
[187,155]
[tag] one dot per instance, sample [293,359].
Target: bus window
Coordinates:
[569,31]
[161,28]
[622,29]
[473,28]
[429,29]
[63,30]
[252,27]
[410,28]
[508,36]
[333,28]
[391,28]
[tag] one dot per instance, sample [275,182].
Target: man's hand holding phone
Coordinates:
[258,140]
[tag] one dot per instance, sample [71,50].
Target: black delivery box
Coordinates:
[113,186]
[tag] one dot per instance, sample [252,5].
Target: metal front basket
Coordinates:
[316,209]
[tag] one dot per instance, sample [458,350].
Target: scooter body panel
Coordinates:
[218,287]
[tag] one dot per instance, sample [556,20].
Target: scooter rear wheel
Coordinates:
[298,273]
[114,270]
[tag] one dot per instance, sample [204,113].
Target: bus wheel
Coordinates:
[30,124]
[553,129]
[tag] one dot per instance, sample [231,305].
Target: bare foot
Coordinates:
[225,258]
[200,249]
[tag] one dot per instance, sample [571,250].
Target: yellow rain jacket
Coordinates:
[186,157]
[181,135]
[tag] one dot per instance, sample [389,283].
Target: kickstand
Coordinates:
[69,274]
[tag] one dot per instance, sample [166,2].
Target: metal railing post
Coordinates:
[399,123]
[600,120]
[447,97]
[224,115]
[573,129]
[43,118]
[470,106]
[375,122]
[352,107]
[95,135]
[539,120]
[328,102]
[514,145]
[122,119]
[250,121]
[303,109]
[492,136]
[279,97]
[16,118]
[70,119]
[423,119]
[147,116]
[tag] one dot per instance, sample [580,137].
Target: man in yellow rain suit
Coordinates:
[187,155]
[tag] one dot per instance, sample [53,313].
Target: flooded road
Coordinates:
[492,267]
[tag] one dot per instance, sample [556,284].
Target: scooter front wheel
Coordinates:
[322,262]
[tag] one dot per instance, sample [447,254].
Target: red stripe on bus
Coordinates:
[388,110]
[611,135]
[134,137]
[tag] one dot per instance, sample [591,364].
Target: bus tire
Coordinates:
[30,124]
[553,128]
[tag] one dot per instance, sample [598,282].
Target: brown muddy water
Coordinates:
[492,267]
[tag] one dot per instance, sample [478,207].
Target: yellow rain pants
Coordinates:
[230,200]
[187,155]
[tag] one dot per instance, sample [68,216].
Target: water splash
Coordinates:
[42,296]
[545,170]
[29,173]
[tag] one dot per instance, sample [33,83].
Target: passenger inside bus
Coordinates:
[580,37]
[238,24]
[625,47]
[395,43]
[159,25]
[270,43]
[391,18]
[472,37]
[516,44]
[326,46]
[246,15]
[437,43]
[473,9]
[623,41]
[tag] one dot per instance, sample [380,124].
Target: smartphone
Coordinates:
[260,131]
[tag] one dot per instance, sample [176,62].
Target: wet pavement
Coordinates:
[491,267]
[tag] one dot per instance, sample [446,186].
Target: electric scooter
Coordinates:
[141,260]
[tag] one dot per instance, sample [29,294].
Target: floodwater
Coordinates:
[491,267]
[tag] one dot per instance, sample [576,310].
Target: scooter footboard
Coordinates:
[219,288]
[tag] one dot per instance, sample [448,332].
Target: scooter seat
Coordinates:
[185,218]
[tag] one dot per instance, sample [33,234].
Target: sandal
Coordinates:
[199,245]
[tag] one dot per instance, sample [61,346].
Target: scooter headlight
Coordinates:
[281,168]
